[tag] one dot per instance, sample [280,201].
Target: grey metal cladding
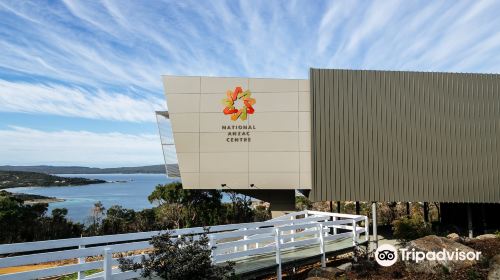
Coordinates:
[405,136]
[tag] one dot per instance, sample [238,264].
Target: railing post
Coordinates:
[322,245]
[107,266]
[354,239]
[334,226]
[211,245]
[367,230]
[245,237]
[256,243]
[278,256]
[81,274]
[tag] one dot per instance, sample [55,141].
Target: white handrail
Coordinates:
[227,242]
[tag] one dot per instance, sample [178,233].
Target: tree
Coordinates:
[118,220]
[95,218]
[25,223]
[196,207]
[262,213]
[58,226]
[239,210]
[145,220]
[180,258]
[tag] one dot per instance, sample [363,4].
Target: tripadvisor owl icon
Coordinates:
[386,255]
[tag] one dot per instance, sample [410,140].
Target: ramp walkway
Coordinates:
[253,246]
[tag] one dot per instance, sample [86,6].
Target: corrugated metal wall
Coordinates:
[405,136]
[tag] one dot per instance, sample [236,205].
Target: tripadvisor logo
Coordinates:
[387,255]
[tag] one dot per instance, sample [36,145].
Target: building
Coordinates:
[349,135]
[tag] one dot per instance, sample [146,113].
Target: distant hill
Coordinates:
[153,169]
[15,179]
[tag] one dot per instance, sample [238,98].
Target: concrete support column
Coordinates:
[374,224]
[469,221]
[281,201]
[426,212]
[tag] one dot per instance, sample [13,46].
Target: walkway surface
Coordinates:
[268,261]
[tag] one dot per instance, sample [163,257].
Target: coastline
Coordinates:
[47,200]
[31,199]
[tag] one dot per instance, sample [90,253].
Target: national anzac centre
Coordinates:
[341,135]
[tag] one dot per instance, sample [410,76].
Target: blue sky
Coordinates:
[80,80]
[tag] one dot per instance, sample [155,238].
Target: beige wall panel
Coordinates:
[277,121]
[185,122]
[212,103]
[221,85]
[187,142]
[232,180]
[172,84]
[305,181]
[188,162]
[273,85]
[304,121]
[274,141]
[275,102]
[212,122]
[217,142]
[305,141]
[271,157]
[275,180]
[183,103]
[190,180]
[230,162]
[274,162]
[304,101]
[304,85]
[305,162]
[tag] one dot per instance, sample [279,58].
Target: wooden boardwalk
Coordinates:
[267,262]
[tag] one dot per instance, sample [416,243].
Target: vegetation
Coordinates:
[406,229]
[187,208]
[14,179]
[180,258]
[74,276]
[25,196]
[302,203]
[174,208]
[21,223]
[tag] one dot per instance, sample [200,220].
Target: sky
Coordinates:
[80,80]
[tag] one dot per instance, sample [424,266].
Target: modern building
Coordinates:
[341,135]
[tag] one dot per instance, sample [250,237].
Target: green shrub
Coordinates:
[406,229]
[180,258]
[302,203]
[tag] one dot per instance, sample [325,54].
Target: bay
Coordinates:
[127,190]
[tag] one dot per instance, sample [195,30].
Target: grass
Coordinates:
[74,276]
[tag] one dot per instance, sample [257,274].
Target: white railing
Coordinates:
[228,242]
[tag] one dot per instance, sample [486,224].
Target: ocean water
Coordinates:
[131,193]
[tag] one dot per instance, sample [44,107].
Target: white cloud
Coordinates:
[107,43]
[76,102]
[26,146]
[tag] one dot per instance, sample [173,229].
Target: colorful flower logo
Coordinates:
[245,110]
